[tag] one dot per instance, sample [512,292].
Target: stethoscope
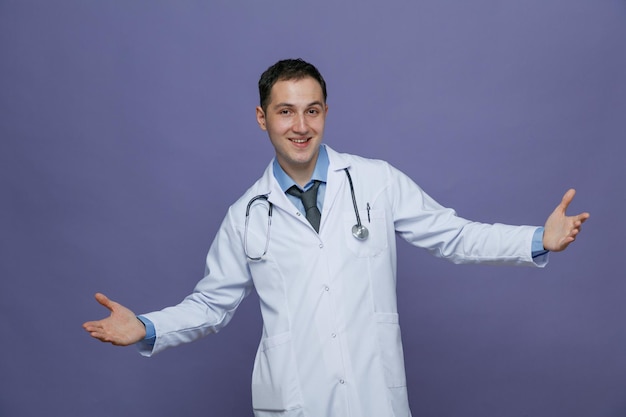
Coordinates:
[359,231]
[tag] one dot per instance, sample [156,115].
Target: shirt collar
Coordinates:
[320,173]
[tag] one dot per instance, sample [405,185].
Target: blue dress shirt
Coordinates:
[320,173]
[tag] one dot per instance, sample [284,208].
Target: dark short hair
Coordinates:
[287,69]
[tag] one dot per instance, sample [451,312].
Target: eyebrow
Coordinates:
[315,103]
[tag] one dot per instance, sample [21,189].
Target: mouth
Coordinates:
[300,141]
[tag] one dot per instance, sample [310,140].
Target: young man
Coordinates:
[325,269]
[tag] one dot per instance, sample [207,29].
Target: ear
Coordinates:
[260,118]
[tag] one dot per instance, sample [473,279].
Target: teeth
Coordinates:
[299,140]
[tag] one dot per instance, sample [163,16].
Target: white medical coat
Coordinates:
[331,343]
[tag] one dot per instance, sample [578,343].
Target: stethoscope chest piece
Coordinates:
[360,232]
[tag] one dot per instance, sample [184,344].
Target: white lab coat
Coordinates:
[331,343]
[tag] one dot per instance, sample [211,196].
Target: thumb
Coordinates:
[104,301]
[567,199]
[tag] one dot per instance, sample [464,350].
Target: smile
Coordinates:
[299,140]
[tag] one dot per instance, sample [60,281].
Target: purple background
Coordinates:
[127,129]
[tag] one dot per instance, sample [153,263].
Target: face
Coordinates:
[294,120]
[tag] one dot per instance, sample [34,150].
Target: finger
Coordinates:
[90,326]
[100,332]
[583,217]
[103,337]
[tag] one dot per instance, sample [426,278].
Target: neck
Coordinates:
[300,174]
[301,177]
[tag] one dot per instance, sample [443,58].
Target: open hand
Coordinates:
[121,328]
[560,229]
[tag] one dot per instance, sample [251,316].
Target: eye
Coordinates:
[284,112]
[313,111]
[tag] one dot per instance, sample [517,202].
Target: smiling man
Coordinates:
[331,344]
[293,115]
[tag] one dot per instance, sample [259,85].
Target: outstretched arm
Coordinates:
[121,328]
[560,229]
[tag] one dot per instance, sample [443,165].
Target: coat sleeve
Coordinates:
[423,222]
[215,298]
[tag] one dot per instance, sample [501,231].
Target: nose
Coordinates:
[299,124]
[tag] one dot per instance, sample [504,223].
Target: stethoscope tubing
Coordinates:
[359,231]
[269,226]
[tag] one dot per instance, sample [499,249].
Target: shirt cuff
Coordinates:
[537,248]
[150,331]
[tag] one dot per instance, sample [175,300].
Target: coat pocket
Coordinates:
[390,344]
[275,386]
[376,241]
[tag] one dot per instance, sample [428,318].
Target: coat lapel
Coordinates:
[335,182]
